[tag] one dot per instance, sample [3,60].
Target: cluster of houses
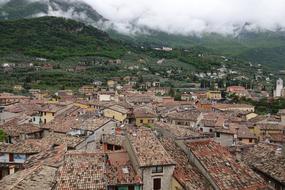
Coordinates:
[122,139]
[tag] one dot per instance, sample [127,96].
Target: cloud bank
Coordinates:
[192,16]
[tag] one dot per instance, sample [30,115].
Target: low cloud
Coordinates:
[192,16]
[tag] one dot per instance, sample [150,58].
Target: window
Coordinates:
[141,121]
[109,147]
[250,140]
[201,129]
[157,169]
[45,121]
[156,184]
[211,130]
[218,134]
[52,114]
[117,147]
[11,157]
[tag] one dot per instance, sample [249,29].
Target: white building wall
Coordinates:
[36,120]
[88,143]
[279,88]
[4,158]
[225,139]
[104,97]
[165,177]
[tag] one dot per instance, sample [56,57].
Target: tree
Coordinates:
[2,136]
[177,97]
[171,92]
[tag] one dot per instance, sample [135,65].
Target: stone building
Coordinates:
[150,159]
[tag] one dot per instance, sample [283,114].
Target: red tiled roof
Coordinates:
[267,158]
[226,172]
[185,172]
[147,148]
[82,170]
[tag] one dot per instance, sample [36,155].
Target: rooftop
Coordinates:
[90,123]
[120,171]
[113,139]
[140,98]
[176,130]
[38,177]
[28,107]
[82,170]
[185,115]
[244,132]
[30,146]
[232,106]
[147,148]
[119,108]
[13,129]
[52,156]
[268,159]
[185,172]
[62,139]
[270,126]
[51,108]
[226,172]
[64,122]
[144,112]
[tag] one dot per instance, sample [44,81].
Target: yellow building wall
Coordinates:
[115,115]
[258,132]
[246,141]
[41,96]
[144,121]
[111,83]
[84,106]
[251,116]
[268,131]
[52,101]
[214,95]
[47,116]
[252,130]
[175,185]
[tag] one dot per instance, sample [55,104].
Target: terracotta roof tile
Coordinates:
[226,172]
[267,158]
[185,172]
[148,150]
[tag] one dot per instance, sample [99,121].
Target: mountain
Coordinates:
[73,9]
[56,38]
[260,47]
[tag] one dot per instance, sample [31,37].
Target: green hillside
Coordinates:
[18,9]
[55,38]
[263,47]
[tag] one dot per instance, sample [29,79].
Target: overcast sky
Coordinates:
[193,16]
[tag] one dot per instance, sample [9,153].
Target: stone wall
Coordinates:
[166,177]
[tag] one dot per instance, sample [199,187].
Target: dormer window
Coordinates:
[157,169]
